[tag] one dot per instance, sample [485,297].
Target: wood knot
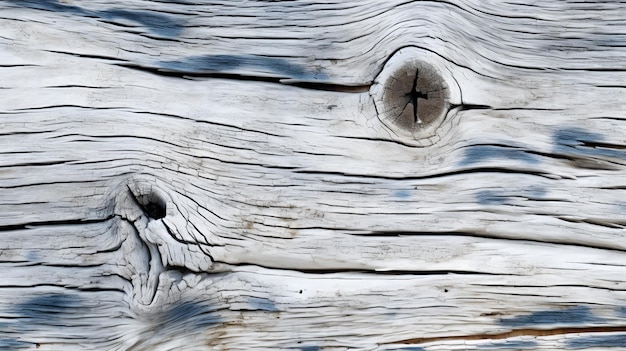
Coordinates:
[411,97]
[150,200]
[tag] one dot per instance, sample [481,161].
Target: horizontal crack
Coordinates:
[268,79]
[23,226]
[496,170]
[514,333]
[363,271]
[485,235]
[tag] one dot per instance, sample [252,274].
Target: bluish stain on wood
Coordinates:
[621,311]
[500,197]
[47,309]
[50,5]
[491,197]
[595,41]
[310,348]
[607,40]
[480,153]
[32,256]
[535,192]
[402,194]
[226,63]
[158,23]
[189,316]
[510,345]
[568,138]
[408,348]
[574,315]
[582,143]
[262,304]
[13,344]
[596,341]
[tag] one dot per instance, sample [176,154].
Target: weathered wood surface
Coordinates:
[294,217]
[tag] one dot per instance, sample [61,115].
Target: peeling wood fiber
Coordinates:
[191,175]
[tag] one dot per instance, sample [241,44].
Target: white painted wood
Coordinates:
[294,217]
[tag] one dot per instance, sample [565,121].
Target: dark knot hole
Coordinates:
[155,209]
[152,204]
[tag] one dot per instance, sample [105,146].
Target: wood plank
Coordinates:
[219,176]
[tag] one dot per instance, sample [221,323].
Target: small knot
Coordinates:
[410,96]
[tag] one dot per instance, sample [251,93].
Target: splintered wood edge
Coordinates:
[400,73]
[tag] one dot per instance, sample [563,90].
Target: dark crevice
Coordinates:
[159,38]
[18,65]
[69,106]
[593,69]
[581,161]
[235,76]
[90,56]
[185,242]
[314,154]
[432,176]
[595,144]
[191,75]
[398,142]
[467,107]
[609,118]
[610,86]
[203,207]
[62,265]
[606,224]
[550,155]
[28,133]
[50,183]
[119,24]
[112,249]
[184,270]
[38,164]
[340,88]
[114,136]
[526,109]
[399,272]
[547,286]
[152,205]
[616,187]
[174,236]
[414,95]
[29,225]
[154,210]
[498,145]
[29,287]
[368,271]
[75,86]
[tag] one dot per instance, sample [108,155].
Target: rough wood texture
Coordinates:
[189,175]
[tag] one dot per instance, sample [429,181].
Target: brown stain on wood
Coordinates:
[516,333]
